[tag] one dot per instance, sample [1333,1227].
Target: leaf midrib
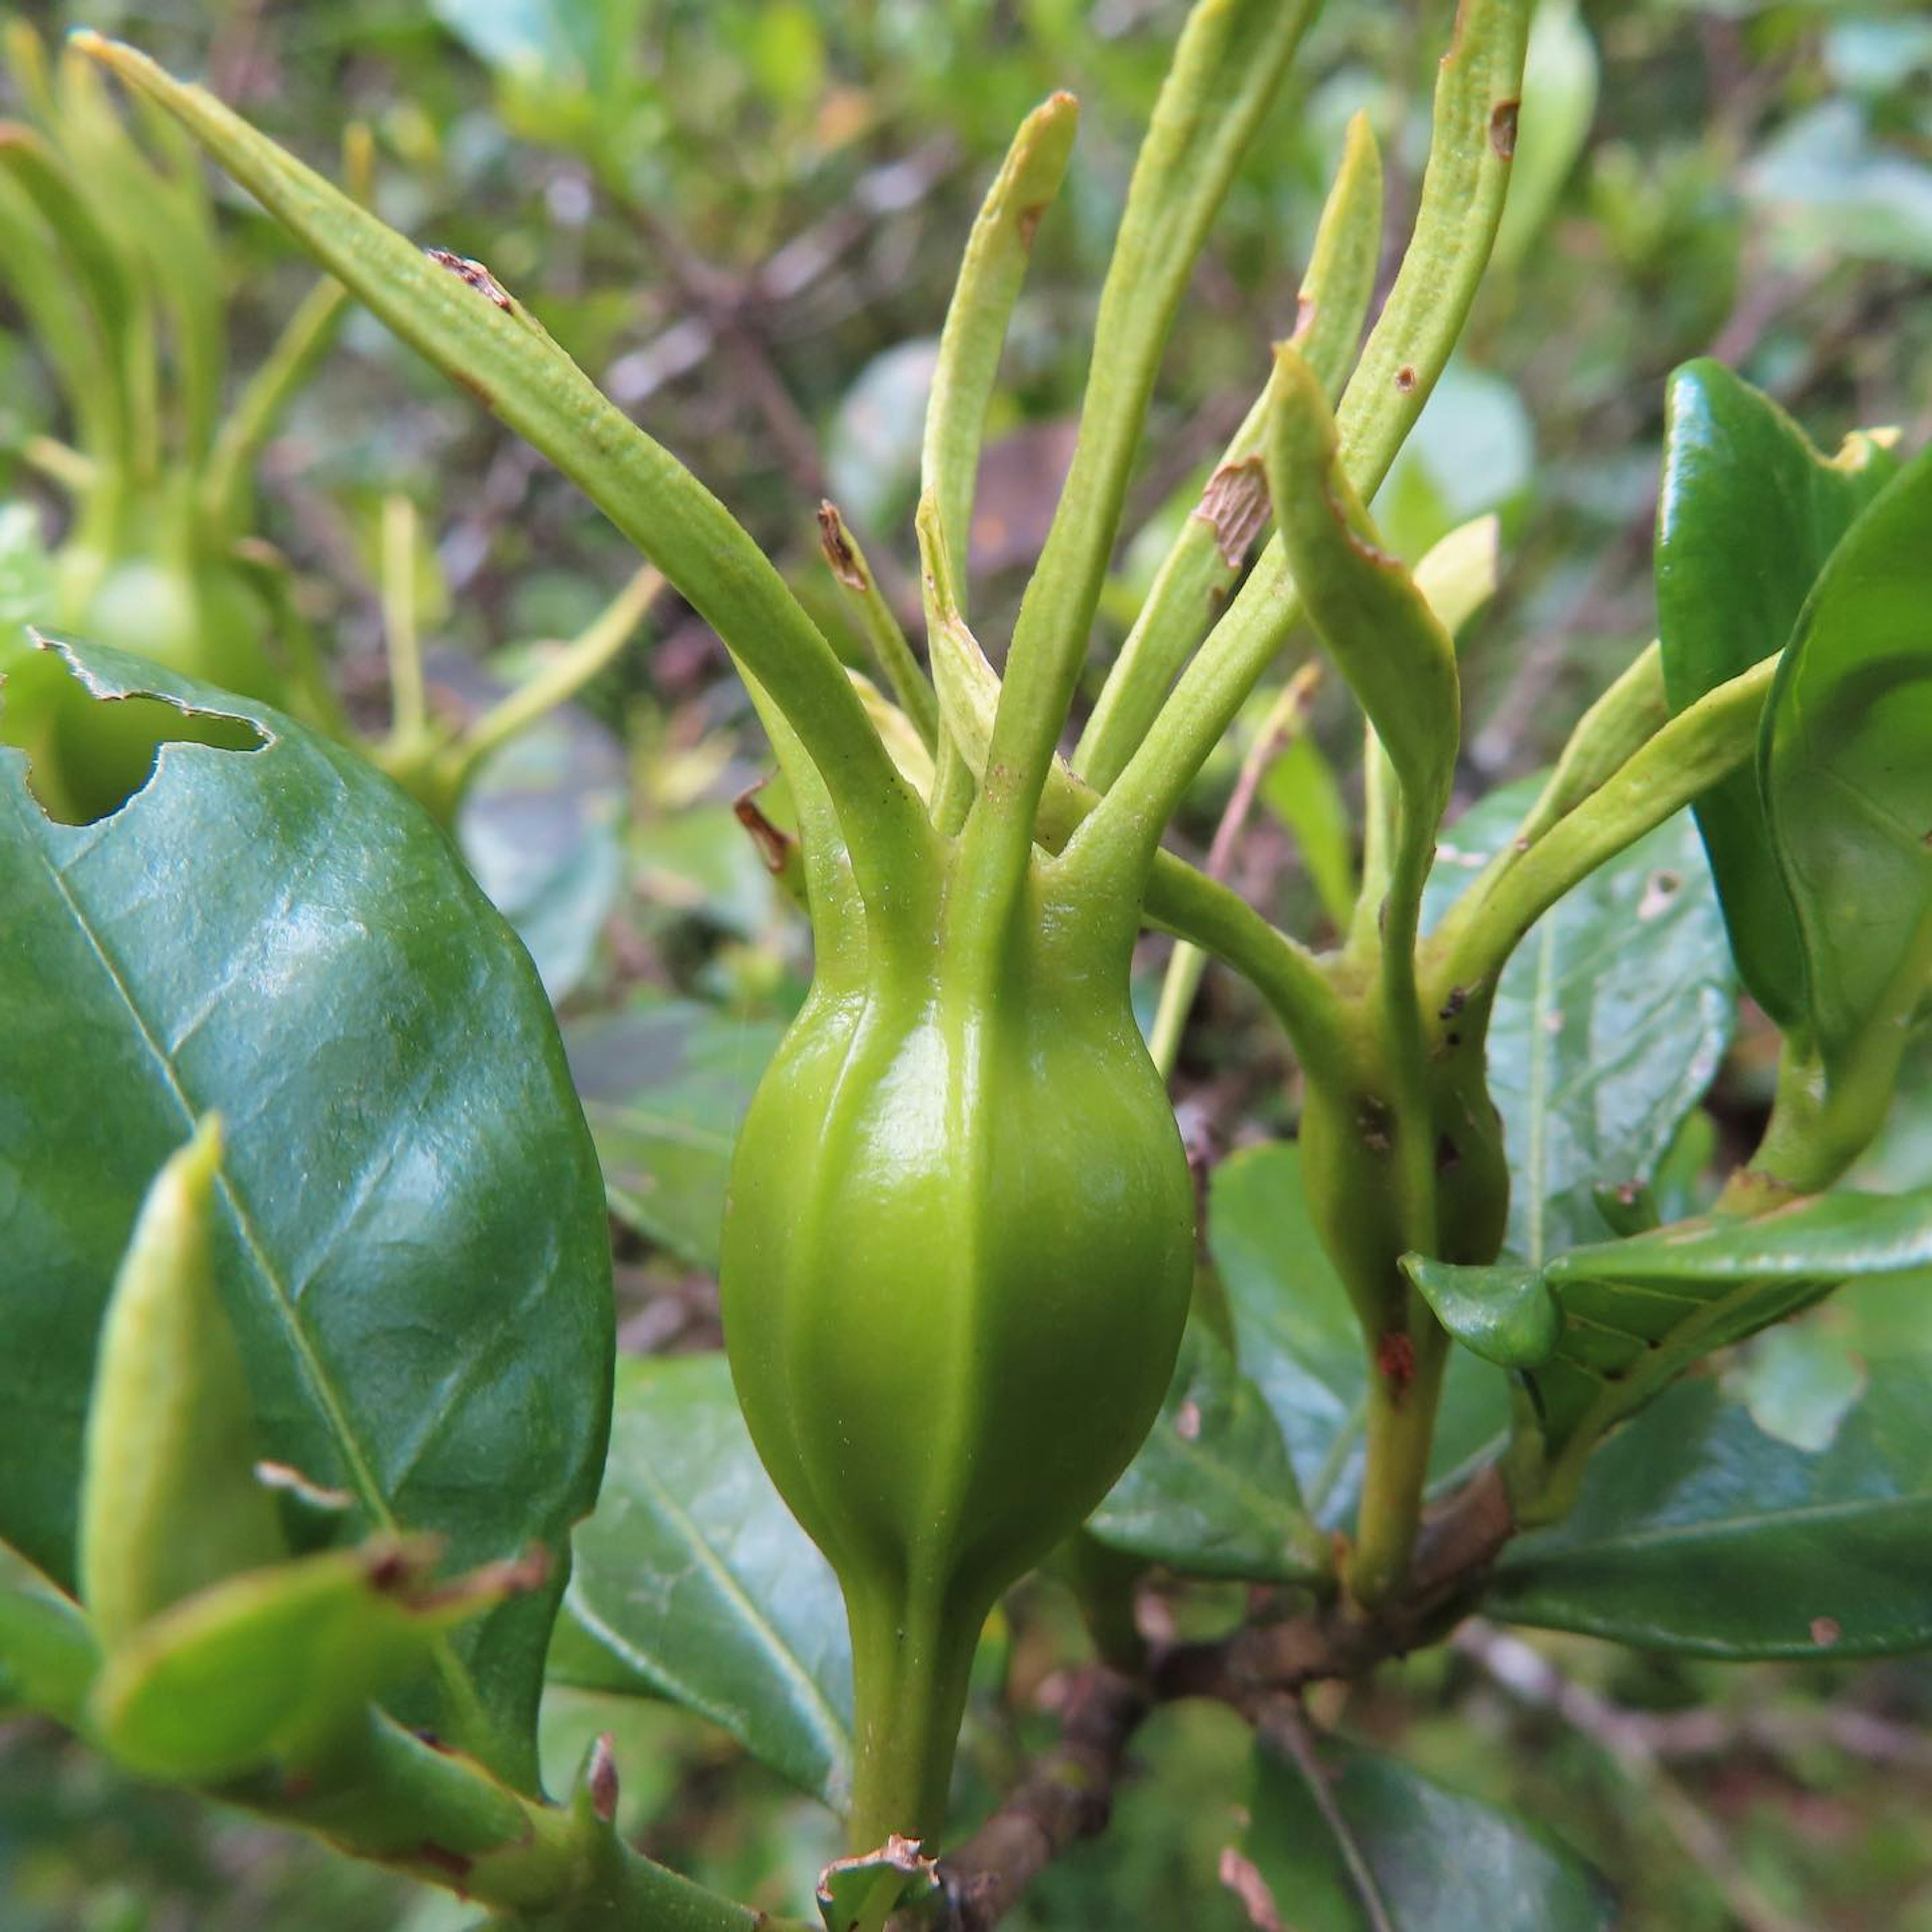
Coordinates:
[450,1668]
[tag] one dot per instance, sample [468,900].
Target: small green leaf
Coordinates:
[664,1085]
[1504,1313]
[169,1503]
[1637,1313]
[1847,784]
[274,1665]
[1748,514]
[1382,1849]
[692,1582]
[1212,1492]
[1695,1531]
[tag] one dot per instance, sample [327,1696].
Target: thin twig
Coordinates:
[1067,1796]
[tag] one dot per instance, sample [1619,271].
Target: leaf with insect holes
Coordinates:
[409,1236]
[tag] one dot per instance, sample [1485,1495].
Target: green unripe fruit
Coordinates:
[958,1255]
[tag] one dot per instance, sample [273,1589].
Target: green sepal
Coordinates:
[1748,514]
[170,1504]
[274,1666]
[1504,1312]
[1397,658]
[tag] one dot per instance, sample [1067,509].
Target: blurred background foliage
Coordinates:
[743,218]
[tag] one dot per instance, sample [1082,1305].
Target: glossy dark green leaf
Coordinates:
[1696,1532]
[1298,1340]
[1385,1847]
[1748,513]
[1610,1020]
[664,1085]
[692,1582]
[1212,1492]
[410,1237]
[1505,1313]
[1637,1313]
[1846,770]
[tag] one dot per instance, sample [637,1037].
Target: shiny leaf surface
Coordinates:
[1212,1493]
[692,1582]
[1297,1338]
[1847,777]
[409,1236]
[1610,1020]
[1696,1532]
[1385,1847]
[1749,512]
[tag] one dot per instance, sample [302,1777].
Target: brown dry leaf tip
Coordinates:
[466,268]
[897,1853]
[1235,505]
[1242,1877]
[1825,1631]
[774,845]
[602,1778]
[1502,127]
[837,548]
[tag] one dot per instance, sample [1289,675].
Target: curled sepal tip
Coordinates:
[1388,642]
[275,1666]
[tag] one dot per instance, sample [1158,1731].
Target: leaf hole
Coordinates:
[89,749]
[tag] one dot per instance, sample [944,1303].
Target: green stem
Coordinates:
[1232,57]
[1207,556]
[305,339]
[912,1659]
[1697,748]
[1820,1123]
[567,673]
[1462,195]
[385,1795]
[1401,1430]
[408,687]
[891,653]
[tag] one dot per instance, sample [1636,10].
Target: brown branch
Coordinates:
[1338,1638]
[1067,1796]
